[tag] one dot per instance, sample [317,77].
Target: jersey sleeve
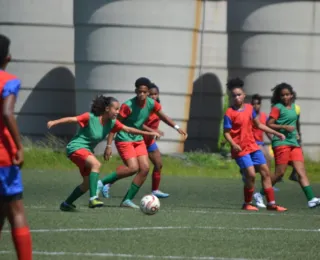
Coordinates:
[227,123]
[125,111]
[11,87]
[254,114]
[157,107]
[298,109]
[83,119]
[118,126]
[275,113]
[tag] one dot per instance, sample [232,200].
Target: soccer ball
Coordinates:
[149,204]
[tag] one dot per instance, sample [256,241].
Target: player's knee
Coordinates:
[158,166]
[144,169]
[96,166]
[133,169]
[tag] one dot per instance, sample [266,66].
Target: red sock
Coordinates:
[22,241]
[156,177]
[248,194]
[270,195]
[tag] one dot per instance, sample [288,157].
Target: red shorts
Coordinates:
[79,158]
[287,154]
[129,150]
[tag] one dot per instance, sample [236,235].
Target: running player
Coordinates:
[238,132]
[11,159]
[94,127]
[152,124]
[283,117]
[132,149]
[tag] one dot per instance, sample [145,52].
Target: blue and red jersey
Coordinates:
[258,133]
[9,85]
[239,122]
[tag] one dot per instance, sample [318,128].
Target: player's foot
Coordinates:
[259,200]
[276,208]
[64,206]
[293,176]
[249,207]
[128,204]
[95,203]
[160,194]
[99,187]
[314,203]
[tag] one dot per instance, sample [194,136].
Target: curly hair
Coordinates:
[276,96]
[4,48]
[234,83]
[100,103]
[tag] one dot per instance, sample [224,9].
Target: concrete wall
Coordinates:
[69,51]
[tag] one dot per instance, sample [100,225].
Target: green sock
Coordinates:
[93,183]
[110,178]
[134,188]
[77,193]
[308,192]
[262,192]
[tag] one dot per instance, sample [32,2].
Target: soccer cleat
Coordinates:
[249,207]
[259,200]
[99,188]
[95,203]
[105,191]
[313,203]
[160,194]
[128,204]
[64,206]
[276,208]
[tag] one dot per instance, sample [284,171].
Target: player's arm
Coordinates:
[266,128]
[64,120]
[147,128]
[135,131]
[9,94]
[271,122]
[227,126]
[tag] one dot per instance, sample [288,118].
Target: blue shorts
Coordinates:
[10,181]
[152,148]
[251,159]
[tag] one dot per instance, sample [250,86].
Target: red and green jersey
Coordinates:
[285,116]
[91,132]
[134,116]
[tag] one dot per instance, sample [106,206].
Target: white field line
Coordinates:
[126,255]
[60,230]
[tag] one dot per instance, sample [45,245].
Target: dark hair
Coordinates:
[234,83]
[294,98]
[142,82]
[4,48]
[276,96]
[152,85]
[100,103]
[256,97]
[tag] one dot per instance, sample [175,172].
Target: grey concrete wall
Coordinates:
[42,48]
[278,41]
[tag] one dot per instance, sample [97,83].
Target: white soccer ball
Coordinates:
[149,204]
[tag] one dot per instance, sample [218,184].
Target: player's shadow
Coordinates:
[51,98]
[205,114]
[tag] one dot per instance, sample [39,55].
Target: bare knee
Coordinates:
[133,169]
[158,166]
[144,169]
[16,215]
[95,166]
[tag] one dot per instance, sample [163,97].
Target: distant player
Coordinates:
[132,149]
[94,127]
[283,118]
[244,149]
[152,124]
[11,159]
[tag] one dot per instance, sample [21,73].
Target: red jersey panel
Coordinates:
[152,122]
[9,84]
[240,124]
[258,133]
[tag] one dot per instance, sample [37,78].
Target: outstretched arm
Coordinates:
[64,120]
[171,123]
[267,129]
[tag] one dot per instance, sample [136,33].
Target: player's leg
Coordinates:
[3,210]
[141,176]
[12,196]
[155,158]
[298,164]
[294,175]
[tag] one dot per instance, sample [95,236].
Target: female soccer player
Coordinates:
[283,117]
[132,149]
[238,132]
[94,127]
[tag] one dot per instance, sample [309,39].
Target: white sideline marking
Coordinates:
[60,230]
[199,212]
[127,255]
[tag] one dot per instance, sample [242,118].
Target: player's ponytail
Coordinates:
[100,103]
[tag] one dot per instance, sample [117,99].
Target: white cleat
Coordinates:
[314,203]
[160,194]
[99,188]
[259,200]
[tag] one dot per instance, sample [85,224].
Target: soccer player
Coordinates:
[94,127]
[132,149]
[283,117]
[11,159]
[244,149]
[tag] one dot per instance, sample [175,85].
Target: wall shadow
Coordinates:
[205,115]
[51,98]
